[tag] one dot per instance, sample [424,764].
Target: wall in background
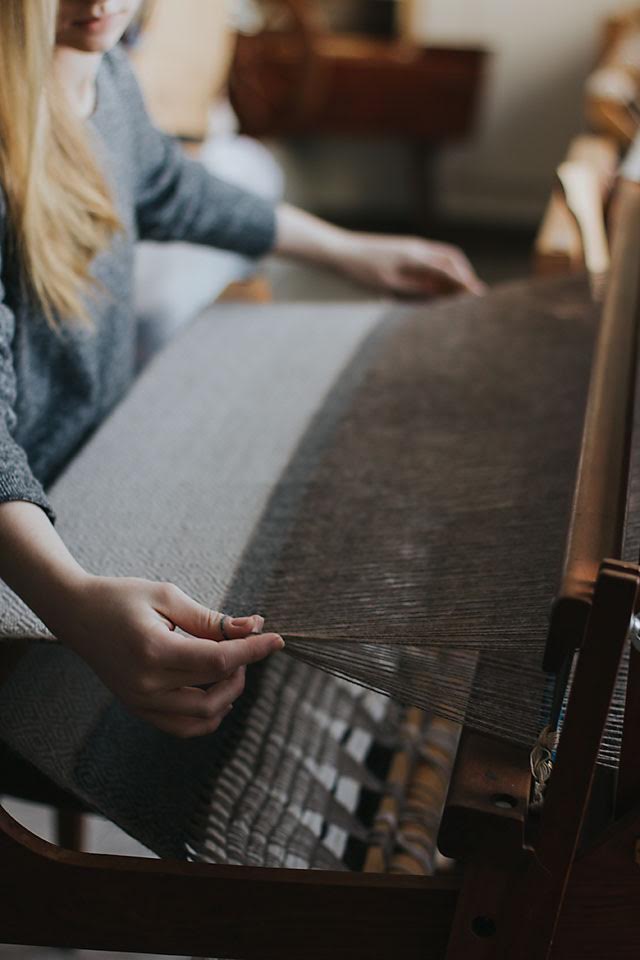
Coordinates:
[541,53]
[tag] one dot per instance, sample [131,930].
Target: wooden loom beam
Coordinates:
[600,494]
[54,897]
[540,899]
[512,896]
[484,827]
[605,888]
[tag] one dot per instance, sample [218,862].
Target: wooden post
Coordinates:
[536,906]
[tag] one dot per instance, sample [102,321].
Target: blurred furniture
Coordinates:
[295,78]
[382,18]
[372,17]
[612,95]
[573,233]
[182,58]
[573,227]
[405,18]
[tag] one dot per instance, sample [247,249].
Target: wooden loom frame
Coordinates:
[529,890]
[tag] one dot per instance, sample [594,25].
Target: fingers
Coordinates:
[447,265]
[464,273]
[195,704]
[453,264]
[177,607]
[189,711]
[207,662]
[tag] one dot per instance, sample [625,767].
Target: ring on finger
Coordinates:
[225,635]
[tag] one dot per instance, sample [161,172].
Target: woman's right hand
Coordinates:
[126,631]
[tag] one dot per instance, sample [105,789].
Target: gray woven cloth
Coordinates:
[163,490]
[304,393]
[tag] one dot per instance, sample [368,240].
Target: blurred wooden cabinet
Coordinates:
[296,77]
[285,84]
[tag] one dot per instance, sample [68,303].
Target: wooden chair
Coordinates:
[613,89]
[573,233]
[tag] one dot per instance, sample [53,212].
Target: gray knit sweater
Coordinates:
[55,388]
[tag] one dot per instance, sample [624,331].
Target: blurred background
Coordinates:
[440,117]
[529,105]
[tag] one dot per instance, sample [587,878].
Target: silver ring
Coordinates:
[225,635]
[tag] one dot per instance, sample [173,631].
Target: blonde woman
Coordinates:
[83,175]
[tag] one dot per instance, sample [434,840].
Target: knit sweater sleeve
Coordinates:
[17,481]
[177,198]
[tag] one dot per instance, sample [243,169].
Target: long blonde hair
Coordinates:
[60,209]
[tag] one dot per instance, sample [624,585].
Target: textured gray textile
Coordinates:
[172,486]
[198,445]
[56,388]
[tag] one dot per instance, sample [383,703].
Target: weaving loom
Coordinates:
[404,525]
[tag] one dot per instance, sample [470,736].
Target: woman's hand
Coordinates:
[407,266]
[125,630]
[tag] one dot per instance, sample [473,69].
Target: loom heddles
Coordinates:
[305,783]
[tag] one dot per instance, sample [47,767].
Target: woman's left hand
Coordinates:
[408,266]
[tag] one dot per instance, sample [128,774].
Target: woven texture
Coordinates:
[417,537]
[391,488]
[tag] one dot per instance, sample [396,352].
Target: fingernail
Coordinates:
[279,644]
[230,708]
[242,622]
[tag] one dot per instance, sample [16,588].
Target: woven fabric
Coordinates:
[413,468]
[209,428]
